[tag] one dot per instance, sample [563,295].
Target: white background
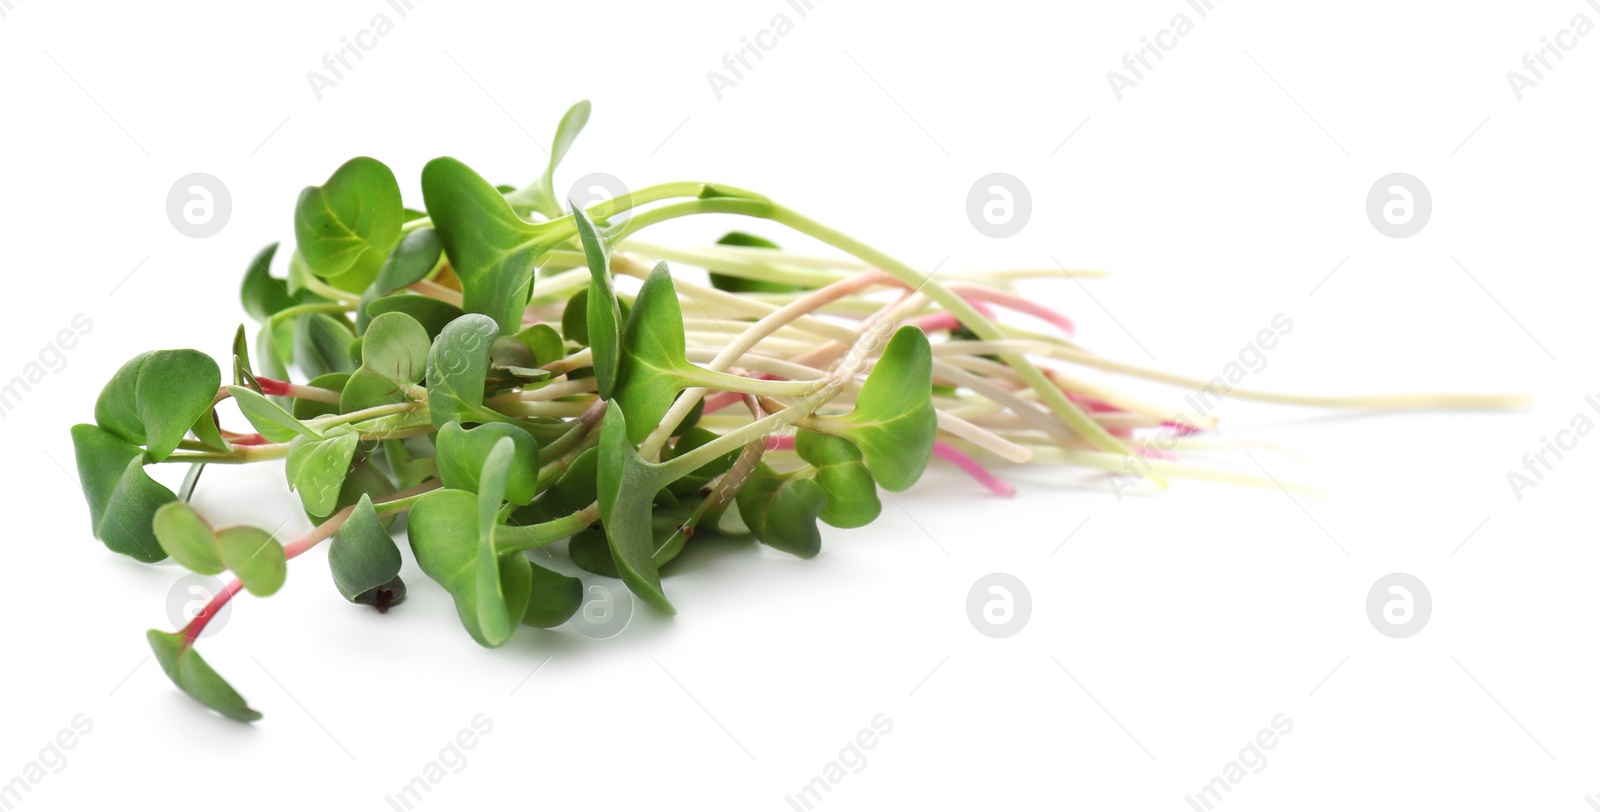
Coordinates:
[1166,632]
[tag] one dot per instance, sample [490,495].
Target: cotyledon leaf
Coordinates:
[627,484]
[346,227]
[852,494]
[491,249]
[463,454]
[122,498]
[782,510]
[155,398]
[604,316]
[316,468]
[445,536]
[458,364]
[362,556]
[894,423]
[190,672]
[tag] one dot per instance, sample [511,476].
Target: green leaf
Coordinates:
[255,556]
[575,318]
[187,538]
[602,315]
[396,348]
[154,398]
[269,419]
[263,294]
[445,535]
[540,195]
[394,355]
[738,284]
[458,364]
[323,344]
[491,249]
[242,372]
[589,550]
[366,389]
[274,360]
[365,479]
[894,423]
[122,499]
[431,313]
[362,556]
[413,258]
[782,510]
[852,495]
[555,598]
[544,342]
[189,671]
[410,465]
[494,618]
[627,485]
[206,430]
[346,227]
[316,468]
[463,453]
[654,366]
[574,491]
[650,372]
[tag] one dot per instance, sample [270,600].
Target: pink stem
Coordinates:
[974,469]
[273,387]
[237,438]
[316,536]
[1017,303]
[192,631]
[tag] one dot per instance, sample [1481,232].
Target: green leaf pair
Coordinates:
[250,553]
[461,542]
[155,398]
[152,401]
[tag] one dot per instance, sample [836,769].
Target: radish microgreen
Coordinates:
[482,368]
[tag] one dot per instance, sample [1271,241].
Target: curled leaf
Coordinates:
[190,672]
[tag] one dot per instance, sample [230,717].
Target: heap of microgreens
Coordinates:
[505,415]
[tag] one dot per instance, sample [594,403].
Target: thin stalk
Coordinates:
[393,503]
[518,538]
